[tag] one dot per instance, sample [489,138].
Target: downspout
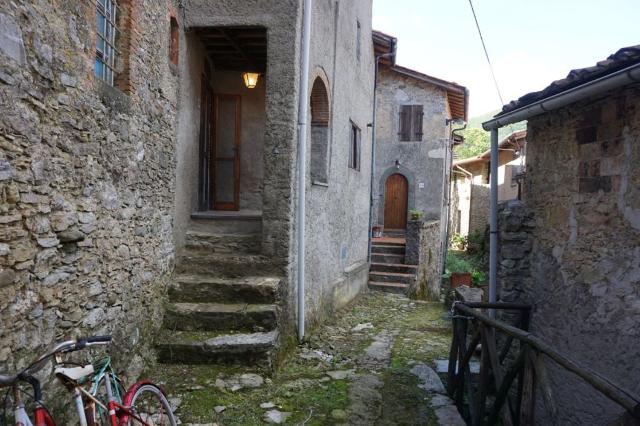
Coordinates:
[373,146]
[445,243]
[493,221]
[303,108]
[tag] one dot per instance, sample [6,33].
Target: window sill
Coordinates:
[112,97]
[319,183]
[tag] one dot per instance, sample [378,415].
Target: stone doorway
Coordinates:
[232,120]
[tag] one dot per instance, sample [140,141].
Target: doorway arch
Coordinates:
[396,201]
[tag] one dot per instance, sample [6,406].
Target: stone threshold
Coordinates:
[228,215]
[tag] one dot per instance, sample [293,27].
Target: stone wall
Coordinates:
[424,249]
[583,188]
[86,180]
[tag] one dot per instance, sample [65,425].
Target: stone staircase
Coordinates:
[388,271]
[223,301]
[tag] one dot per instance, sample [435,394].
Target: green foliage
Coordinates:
[477,243]
[476,141]
[459,241]
[416,214]
[478,277]
[457,263]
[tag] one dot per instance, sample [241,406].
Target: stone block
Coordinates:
[595,184]
[11,43]
[586,135]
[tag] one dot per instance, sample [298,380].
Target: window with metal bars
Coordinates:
[354,147]
[105,40]
[410,123]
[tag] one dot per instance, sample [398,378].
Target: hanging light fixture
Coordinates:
[250,79]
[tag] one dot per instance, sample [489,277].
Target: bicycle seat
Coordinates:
[74,373]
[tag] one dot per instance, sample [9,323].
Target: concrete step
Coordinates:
[223,243]
[394,267]
[394,233]
[391,277]
[220,317]
[255,349]
[225,265]
[227,222]
[205,288]
[387,258]
[388,249]
[388,287]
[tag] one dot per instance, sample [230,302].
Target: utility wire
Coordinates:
[486,54]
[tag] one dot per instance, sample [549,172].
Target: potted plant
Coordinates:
[458,270]
[416,214]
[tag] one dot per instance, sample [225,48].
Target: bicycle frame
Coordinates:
[119,414]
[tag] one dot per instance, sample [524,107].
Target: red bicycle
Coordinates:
[103,404]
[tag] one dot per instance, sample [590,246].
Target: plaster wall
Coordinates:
[583,187]
[423,162]
[337,213]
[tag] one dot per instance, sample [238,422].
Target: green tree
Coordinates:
[476,141]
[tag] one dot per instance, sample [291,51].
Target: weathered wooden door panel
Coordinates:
[226,153]
[396,191]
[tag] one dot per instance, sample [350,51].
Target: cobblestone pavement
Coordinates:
[372,365]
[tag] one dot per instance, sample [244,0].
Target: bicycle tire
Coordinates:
[149,402]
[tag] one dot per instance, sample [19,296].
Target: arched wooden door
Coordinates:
[396,194]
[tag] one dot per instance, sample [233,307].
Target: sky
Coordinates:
[531,43]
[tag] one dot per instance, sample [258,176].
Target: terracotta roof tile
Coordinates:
[623,58]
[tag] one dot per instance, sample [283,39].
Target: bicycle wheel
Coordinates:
[149,404]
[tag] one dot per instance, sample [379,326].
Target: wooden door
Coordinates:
[226,153]
[396,191]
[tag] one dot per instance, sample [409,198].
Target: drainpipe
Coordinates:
[303,108]
[493,221]
[373,146]
[444,245]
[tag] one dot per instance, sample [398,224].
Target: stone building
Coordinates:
[576,238]
[414,119]
[470,184]
[135,160]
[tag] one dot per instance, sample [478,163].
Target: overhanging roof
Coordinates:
[518,138]
[457,95]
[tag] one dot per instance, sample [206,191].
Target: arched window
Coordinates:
[319,132]
[174,42]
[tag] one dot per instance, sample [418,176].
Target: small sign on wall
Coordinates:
[421,185]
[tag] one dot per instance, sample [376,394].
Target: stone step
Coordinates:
[204,288]
[387,258]
[225,265]
[394,233]
[394,267]
[220,317]
[388,287]
[227,222]
[391,277]
[255,349]
[387,249]
[223,243]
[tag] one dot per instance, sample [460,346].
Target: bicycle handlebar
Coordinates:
[66,346]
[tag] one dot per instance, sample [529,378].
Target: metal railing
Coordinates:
[513,404]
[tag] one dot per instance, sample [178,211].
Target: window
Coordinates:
[319,132]
[410,123]
[354,148]
[174,42]
[358,36]
[105,40]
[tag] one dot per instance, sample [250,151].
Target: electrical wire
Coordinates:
[486,53]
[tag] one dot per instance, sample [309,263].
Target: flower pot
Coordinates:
[458,279]
[376,231]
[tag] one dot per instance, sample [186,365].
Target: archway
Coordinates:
[319,131]
[396,196]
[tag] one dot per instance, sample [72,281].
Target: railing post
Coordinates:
[528,398]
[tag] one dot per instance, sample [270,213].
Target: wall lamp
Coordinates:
[250,79]
[398,164]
